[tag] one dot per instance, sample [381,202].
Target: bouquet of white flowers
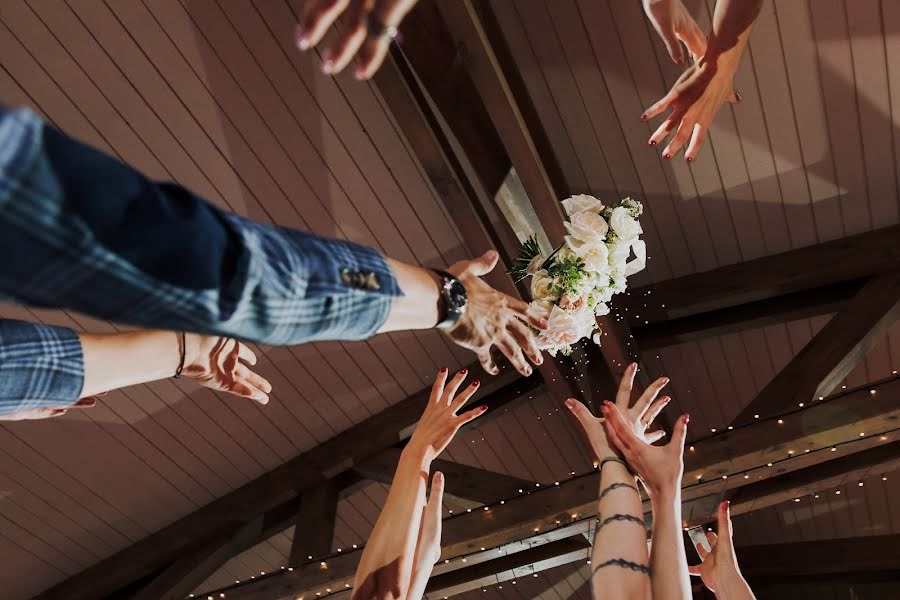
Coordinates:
[572,286]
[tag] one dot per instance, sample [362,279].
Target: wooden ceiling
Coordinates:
[213,95]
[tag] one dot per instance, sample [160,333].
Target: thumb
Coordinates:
[435,498]
[673,45]
[484,264]
[680,433]
[724,520]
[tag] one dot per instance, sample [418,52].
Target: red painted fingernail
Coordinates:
[665,380]
[686,418]
[476,383]
[652,143]
[690,159]
[643,117]
[484,407]
[738,97]
[667,155]
[438,476]
[443,369]
[725,505]
[463,372]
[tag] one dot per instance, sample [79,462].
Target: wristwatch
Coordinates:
[453,299]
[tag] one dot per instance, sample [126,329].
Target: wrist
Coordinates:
[416,456]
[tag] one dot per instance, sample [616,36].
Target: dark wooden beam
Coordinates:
[509,567]
[847,259]
[439,64]
[753,315]
[314,526]
[853,560]
[270,490]
[547,513]
[846,470]
[830,356]
[469,486]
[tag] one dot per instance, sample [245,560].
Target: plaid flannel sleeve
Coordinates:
[89,233]
[40,366]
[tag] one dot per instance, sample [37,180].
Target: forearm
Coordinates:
[668,563]
[732,22]
[421,570]
[417,308]
[385,568]
[619,556]
[113,361]
[733,586]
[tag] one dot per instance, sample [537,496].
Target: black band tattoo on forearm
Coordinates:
[617,517]
[615,486]
[624,564]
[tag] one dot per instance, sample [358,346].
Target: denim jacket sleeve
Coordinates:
[81,230]
[40,366]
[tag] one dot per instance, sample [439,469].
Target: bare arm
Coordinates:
[661,469]
[386,567]
[703,88]
[115,360]
[428,545]
[619,559]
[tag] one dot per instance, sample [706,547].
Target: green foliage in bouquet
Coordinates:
[567,274]
[530,249]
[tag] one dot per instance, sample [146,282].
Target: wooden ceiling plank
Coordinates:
[846,259]
[830,356]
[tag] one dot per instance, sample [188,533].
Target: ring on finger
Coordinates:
[377,29]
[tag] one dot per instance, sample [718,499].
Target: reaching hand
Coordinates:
[674,24]
[659,467]
[439,422]
[720,563]
[366,30]
[695,100]
[639,416]
[493,318]
[215,362]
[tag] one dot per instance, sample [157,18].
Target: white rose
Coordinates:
[540,286]
[601,310]
[541,308]
[581,203]
[587,227]
[618,255]
[618,282]
[625,227]
[594,255]
[535,265]
[564,329]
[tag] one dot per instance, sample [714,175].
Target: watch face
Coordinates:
[457,294]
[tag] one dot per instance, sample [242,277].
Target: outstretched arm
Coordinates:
[428,546]
[661,469]
[387,564]
[46,369]
[699,93]
[619,558]
[94,235]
